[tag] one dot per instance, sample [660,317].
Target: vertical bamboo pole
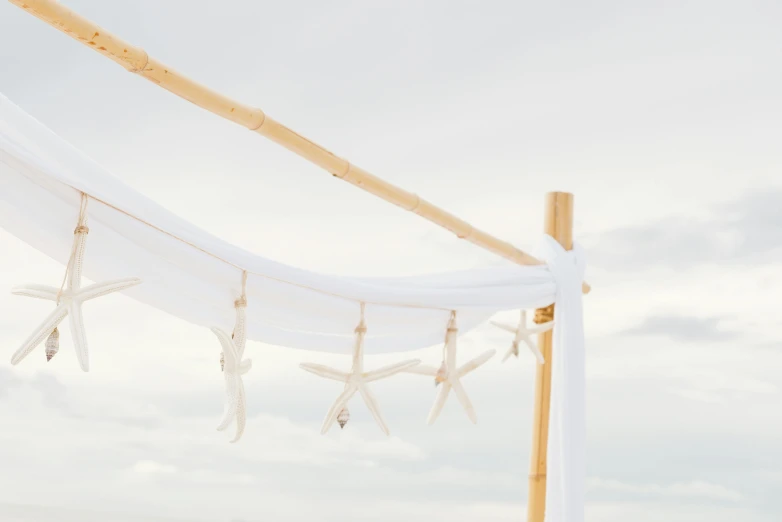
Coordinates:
[558,223]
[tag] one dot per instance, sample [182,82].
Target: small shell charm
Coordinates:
[441,374]
[343,417]
[52,344]
[222,361]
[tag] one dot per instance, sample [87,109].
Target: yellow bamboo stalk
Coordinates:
[558,223]
[136,60]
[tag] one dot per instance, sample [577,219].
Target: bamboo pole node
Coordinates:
[467,235]
[348,167]
[139,70]
[544,315]
[416,203]
[263,120]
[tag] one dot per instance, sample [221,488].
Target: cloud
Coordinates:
[150,467]
[154,469]
[8,380]
[683,328]
[693,489]
[30,513]
[654,511]
[746,230]
[53,391]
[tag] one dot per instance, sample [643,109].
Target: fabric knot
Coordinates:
[567,266]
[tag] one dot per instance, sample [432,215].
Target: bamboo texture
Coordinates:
[558,223]
[137,61]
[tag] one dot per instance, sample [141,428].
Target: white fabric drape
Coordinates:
[566,459]
[194,275]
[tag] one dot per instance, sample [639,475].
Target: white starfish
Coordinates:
[449,375]
[522,333]
[233,369]
[68,303]
[356,381]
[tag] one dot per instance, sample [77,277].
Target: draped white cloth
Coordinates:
[566,458]
[196,276]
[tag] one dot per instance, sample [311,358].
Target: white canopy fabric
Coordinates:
[196,276]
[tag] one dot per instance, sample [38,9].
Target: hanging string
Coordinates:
[362,325]
[239,303]
[242,301]
[81,228]
[450,328]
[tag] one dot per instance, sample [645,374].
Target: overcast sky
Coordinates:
[664,119]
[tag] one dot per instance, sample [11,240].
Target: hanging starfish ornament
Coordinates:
[233,368]
[522,333]
[356,381]
[68,298]
[449,375]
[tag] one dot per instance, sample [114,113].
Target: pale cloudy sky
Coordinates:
[664,118]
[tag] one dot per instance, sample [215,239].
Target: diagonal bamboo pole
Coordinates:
[558,223]
[136,60]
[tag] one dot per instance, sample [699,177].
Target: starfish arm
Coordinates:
[508,354]
[240,331]
[464,400]
[325,371]
[340,403]
[439,403]
[450,349]
[371,403]
[75,270]
[232,383]
[422,369]
[229,351]
[388,371]
[79,335]
[100,289]
[543,327]
[507,328]
[41,332]
[245,366]
[241,411]
[358,352]
[36,291]
[534,349]
[475,363]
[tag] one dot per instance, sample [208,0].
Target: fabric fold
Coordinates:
[566,459]
[192,274]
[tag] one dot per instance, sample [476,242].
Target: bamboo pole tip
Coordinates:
[560,196]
